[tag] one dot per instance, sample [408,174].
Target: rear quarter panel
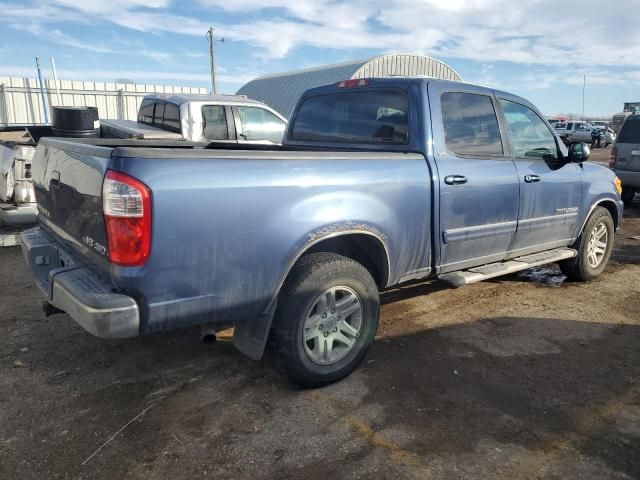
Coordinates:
[225,229]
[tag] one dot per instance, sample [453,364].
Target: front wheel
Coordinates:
[594,248]
[326,319]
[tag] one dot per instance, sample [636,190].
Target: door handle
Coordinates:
[455,179]
[531,178]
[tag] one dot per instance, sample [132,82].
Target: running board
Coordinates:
[491,270]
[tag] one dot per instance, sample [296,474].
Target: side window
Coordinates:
[172,118]
[569,126]
[530,136]
[260,124]
[145,112]
[470,124]
[159,114]
[215,123]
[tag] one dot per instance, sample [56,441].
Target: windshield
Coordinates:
[369,116]
[630,132]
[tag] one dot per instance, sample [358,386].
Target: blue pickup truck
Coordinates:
[378,182]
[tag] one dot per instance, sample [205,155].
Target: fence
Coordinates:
[21,103]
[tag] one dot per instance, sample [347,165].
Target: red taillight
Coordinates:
[613,156]
[356,82]
[126,203]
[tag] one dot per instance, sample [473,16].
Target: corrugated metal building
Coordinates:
[281,91]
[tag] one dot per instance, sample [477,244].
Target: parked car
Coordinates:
[574,131]
[625,157]
[602,137]
[609,136]
[379,181]
[599,123]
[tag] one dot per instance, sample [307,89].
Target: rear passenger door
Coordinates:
[478,181]
[217,124]
[550,187]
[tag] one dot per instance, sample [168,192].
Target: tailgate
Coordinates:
[67,179]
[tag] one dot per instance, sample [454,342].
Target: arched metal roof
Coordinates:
[281,91]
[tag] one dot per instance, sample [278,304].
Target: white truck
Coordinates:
[200,118]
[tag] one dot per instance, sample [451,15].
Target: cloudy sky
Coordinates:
[539,49]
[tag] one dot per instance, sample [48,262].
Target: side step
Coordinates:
[491,270]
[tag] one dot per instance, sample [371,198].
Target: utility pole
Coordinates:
[584,86]
[55,80]
[44,100]
[212,45]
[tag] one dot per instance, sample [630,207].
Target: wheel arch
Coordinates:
[363,246]
[610,205]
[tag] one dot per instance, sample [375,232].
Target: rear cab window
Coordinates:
[145,112]
[171,120]
[160,114]
[471,124]
[630,132]
[368,116]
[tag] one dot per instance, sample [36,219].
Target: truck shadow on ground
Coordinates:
[509,395]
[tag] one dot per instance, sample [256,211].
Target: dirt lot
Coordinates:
[527,376]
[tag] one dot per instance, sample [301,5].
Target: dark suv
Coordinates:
[625,157]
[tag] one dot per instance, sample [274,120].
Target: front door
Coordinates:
[550,187]
[257,125]
[478,181]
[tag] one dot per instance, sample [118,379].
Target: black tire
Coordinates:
[579,268]
[312,276]
[75,121]
[628,194]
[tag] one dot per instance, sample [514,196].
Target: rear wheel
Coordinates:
[326,319]
[594,248]
[628,194]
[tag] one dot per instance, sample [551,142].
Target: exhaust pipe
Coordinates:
[208,334]
[49,309]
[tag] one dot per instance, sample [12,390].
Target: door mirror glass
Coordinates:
[579,152]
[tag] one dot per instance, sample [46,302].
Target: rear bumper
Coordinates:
[75,288]
[629,178]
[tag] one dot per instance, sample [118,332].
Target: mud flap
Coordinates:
[250,337]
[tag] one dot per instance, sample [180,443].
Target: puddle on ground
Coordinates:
[543,276]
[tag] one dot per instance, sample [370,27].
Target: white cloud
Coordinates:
[557,41]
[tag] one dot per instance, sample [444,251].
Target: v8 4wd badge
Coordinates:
[91,243]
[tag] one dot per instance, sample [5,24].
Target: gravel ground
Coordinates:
[528,376]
